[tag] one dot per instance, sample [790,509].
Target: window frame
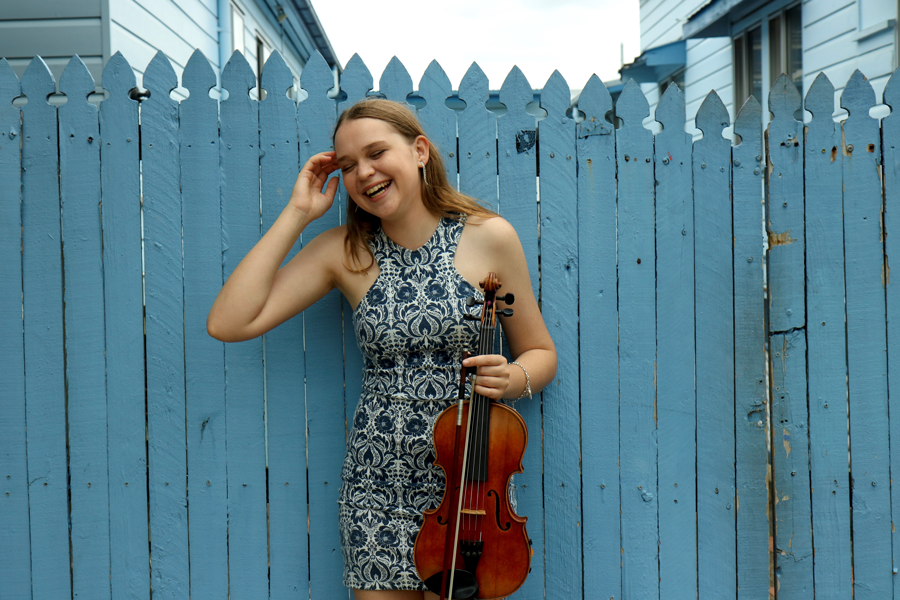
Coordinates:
[762,18]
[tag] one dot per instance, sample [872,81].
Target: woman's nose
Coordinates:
[365,169]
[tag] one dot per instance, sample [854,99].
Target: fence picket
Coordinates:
[637,347]
[326,419]
[676,421]
[750,497]
[79,173]
[477,139]
[559,272]
[15,568]
[204,357]
[826,351]
[121,195]
[890,129]
[714,298]
[439,121]
[598,332]
[395,82]
[44,376]
[787,316]
[244,385]
[517,140]
[283,352]
[166,453]
[866,345]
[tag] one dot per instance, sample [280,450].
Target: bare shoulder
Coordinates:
[491,233]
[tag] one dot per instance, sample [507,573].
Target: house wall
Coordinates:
[139,28]
[839,36]
[55,31]
[708,60]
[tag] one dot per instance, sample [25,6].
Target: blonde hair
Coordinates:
[439,197]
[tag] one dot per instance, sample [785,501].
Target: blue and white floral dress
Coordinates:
[411,332]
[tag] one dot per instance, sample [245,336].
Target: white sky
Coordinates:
[577,37]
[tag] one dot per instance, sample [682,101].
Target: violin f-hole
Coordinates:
[500,525]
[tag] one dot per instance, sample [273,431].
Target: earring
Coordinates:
[424,173]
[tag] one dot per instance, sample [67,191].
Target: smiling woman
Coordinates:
[426,244]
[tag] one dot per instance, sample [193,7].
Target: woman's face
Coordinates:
[380,167]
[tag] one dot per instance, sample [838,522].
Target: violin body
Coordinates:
[506,555]
[474,545]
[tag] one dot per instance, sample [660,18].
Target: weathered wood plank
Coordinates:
[439,121]
[325,416]
[714,306]
[244,386]
[518,154]
[79,173]
[204,357]
[676,403]
[784,217]
[164,322]
[826,351]
[637,348]
[559,272]
[790,443]
[787,314]
[891,169]
[395,83]
[45,395]
[15,569]
[750,420]
[598,357]
[122,256]
[285,370]
[866,344]
[477,139]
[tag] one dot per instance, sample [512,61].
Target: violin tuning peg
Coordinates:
[507,298]
[506,312]
[469,317]
[472,301]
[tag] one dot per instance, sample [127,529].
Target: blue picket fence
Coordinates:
[141,458]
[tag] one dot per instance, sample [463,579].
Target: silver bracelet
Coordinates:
[527,390]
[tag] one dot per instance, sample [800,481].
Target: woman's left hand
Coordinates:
[492,377]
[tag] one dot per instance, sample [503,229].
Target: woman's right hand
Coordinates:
[307,196]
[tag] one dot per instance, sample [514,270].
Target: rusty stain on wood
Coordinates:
[780,239]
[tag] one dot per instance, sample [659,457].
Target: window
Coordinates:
[748,65]
[764,50]
[263,50]
[237,29]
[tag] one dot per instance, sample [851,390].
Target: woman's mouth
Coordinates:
[376,191]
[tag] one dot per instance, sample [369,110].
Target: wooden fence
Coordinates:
[139,457]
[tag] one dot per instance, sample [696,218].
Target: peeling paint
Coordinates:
[786,438]
[780,239]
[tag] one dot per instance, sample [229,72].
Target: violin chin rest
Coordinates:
[464,585]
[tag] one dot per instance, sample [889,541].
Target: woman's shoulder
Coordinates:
[493,230]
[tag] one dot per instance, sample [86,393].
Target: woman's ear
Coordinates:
[422,149]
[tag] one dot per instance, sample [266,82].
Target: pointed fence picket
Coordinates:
[159,462]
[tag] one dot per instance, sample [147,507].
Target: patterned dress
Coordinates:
[411,332]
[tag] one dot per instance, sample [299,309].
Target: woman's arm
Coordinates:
[258,295]
[527,335]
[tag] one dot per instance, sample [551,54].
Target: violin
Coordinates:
[474,545]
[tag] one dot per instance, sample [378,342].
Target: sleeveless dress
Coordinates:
[411,333]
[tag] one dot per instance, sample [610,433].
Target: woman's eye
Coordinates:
[346,168]
[377,153]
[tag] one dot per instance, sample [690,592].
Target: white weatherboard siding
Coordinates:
[55,31]
[839,36]
[832,44]
[139,28]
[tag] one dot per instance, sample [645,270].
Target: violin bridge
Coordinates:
[473,511]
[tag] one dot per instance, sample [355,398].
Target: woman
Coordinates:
[405,261]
